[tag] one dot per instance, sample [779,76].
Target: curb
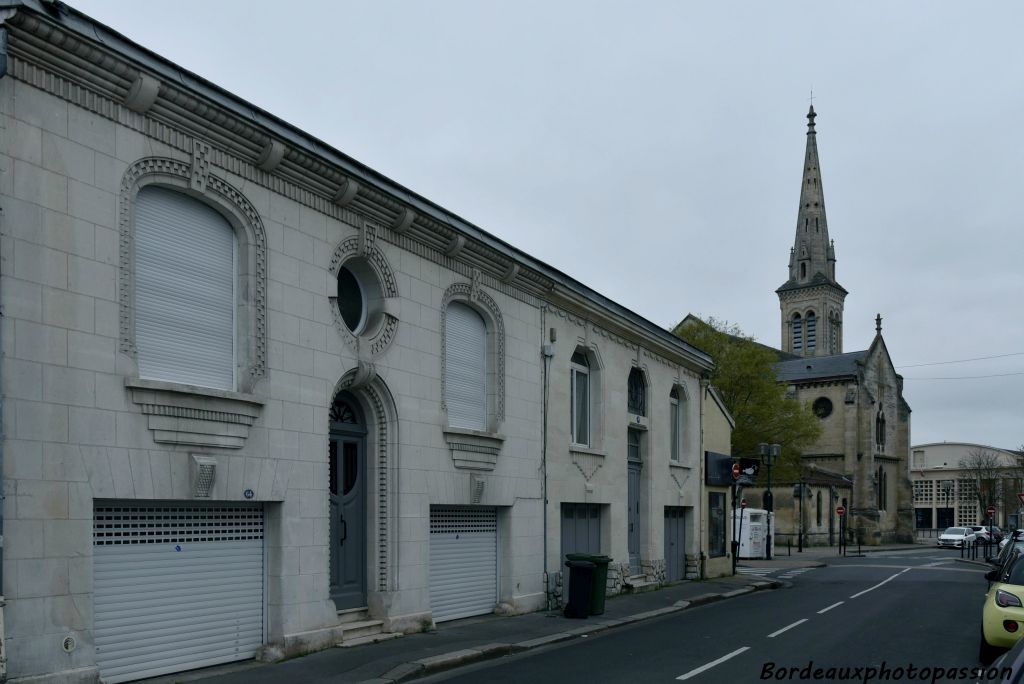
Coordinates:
[466,656]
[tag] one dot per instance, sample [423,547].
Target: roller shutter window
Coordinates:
[463,561]
[177,587]
[465,368]
[185,275]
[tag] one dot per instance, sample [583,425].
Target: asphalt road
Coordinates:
[891,612]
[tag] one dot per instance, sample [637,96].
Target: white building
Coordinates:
[262,392]
[955,482]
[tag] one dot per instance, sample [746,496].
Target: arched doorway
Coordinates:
[347,492]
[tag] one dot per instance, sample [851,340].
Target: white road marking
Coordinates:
[861,593]
[784,629]
[708,666]
[834,605]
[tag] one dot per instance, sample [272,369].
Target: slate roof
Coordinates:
[819,278]
[817,367]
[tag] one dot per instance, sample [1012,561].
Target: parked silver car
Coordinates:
[956,537]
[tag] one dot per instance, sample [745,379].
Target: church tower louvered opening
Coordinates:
[811,301]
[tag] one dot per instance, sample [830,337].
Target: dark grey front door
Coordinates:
[581,533]
[633,502]
[675,543]
[347,491]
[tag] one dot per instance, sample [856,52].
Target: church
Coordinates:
[860,460]
[858,395]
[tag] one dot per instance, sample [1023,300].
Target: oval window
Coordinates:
[351,300]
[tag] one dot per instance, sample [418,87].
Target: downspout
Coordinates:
[547,350]
[3,600]
[702,464]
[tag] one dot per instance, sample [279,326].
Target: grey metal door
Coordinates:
[347,492]
[633,458]
[581,533]
[675,543]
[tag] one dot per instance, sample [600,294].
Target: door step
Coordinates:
[372,639]
[353,615]
[363,628]
[639,584]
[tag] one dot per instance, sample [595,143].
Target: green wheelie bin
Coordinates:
[600,582]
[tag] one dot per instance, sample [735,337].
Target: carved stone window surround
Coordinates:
[195,416]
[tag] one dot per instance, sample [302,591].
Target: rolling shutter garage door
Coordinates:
[463,561]
[177,587]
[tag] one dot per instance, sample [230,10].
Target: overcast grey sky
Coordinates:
[653,150]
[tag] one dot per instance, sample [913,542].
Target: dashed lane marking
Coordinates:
[708,666]
[861,593]
[786,628]
[828,608]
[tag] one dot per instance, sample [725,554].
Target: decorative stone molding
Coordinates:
[271,156]
[381,414]
[252,342]
[143,93]
[455,245]
[195,416]
[473,450]
[495,329]
[587,461]
[346,192]
[374,339]
[403,221]
[200,171]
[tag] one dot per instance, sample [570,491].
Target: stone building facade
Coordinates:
[257,389]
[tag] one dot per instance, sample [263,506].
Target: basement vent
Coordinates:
[114,525]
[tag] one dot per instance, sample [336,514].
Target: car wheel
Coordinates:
[986,651]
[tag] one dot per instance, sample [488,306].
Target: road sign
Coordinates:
[840,511]
[743,503]
[735,471]
[991,511]
[1020,495]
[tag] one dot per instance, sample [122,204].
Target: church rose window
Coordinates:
[822,407]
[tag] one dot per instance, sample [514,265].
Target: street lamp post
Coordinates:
[769,453]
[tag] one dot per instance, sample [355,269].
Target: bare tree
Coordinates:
[992,479]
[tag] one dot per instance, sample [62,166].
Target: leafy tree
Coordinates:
[745,379]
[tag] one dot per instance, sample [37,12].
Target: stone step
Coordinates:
[353,615]
[364,628]
[371,639]
[639,584]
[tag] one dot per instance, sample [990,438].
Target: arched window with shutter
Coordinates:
[465,367]
[185,274]
[812,331]
[797,333]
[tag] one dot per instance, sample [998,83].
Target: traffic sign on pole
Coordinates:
[735,471]
[991,511]
[1020,495]
[840,511]
[743,503]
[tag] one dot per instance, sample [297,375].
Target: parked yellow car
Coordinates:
[1002,615]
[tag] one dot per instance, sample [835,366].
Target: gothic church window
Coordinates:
[880,430]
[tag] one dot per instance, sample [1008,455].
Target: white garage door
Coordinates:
[463,561]
[176,587]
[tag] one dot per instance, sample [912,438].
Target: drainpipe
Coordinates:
[3,600]
[702,460]
[547,350]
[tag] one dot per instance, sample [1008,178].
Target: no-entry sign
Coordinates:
[991,511]
[735,471]
[840,510]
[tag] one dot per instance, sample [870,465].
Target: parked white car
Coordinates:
[956,537]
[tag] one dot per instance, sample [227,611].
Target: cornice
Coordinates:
[87,64]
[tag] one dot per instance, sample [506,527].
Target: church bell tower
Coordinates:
[811,300]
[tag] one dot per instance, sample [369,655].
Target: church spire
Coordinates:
[811,294]
[814,252]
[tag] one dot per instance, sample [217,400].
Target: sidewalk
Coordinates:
[474,639]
